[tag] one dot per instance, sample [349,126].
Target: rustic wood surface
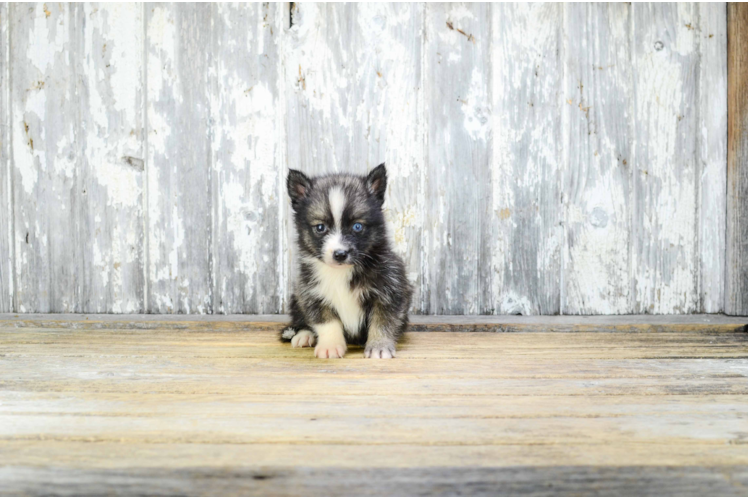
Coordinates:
[46,124]
[711,155]
[223,410]
[711,323]
[413,481]
[526,97]
[736,300]
[6,201]
[598,110]
[665,196]
[456,65]
[247,169]
[543,158]
[178,173]
[111,167]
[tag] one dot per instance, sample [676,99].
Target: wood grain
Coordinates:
[597,171]
[604,324]
[47,181]
[247,174]
[178,173]
[736,292]
[418,345]
[527,83]
[230,411]
[6,183]
[665,71]
[112,157]
[490,407]
[385,481]
[712,154]
[458,137]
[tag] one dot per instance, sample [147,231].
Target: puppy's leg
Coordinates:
[385,329]
[330,340]
[297,326]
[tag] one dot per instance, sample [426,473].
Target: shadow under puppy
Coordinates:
[351,287]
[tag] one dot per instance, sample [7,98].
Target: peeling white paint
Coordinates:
[712,156]
[121,182]
[7,229]
[161,43]
[47,31]
[26,162]
[596,170]
[666,191]
[526,77]
[475,109]
[506,199]
[112,124]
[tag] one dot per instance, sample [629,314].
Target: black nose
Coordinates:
[340,255]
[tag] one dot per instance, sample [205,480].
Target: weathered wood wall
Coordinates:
[736,299]
[544,158]
[7,286]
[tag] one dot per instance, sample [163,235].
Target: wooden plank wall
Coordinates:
[736,301]
[543,158]
[6,204]
[526,205]
[110,83]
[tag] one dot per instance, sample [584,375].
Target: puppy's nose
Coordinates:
[340,255]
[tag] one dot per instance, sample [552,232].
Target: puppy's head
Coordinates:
[338,217]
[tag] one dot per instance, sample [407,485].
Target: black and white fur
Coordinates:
[351,288]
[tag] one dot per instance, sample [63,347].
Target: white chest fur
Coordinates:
[334,288]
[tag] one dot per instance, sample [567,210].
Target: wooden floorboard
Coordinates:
[180,406]
[515,323]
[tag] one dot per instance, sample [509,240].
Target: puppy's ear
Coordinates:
[376,181]
[298,186]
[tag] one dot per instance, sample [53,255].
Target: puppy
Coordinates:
[352,288]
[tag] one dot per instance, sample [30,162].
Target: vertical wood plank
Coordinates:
[712,155]
[527,92]
[46,156]
[246,168]
[736,292]
[597,158]
[458,137]
[111,97]
[353,76]
[178,180]
[665,217]
[6,204]
[320,74]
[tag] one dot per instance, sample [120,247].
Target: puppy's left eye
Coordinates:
[358,227]
[320,228]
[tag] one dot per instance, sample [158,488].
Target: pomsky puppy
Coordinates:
[351,288]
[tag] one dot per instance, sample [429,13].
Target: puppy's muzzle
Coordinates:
[340,255]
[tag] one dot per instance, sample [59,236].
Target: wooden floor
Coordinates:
[158,406]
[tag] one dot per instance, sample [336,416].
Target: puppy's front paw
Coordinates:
[325,350]
[304,338]
[380,351]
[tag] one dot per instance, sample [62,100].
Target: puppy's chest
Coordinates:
[333,286]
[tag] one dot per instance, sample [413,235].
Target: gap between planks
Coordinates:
[708,323]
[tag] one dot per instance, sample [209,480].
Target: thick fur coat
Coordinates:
[351,287]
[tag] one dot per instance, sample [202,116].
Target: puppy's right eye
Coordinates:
[320,228]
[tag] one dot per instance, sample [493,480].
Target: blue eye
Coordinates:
[358,227]
[320,228]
